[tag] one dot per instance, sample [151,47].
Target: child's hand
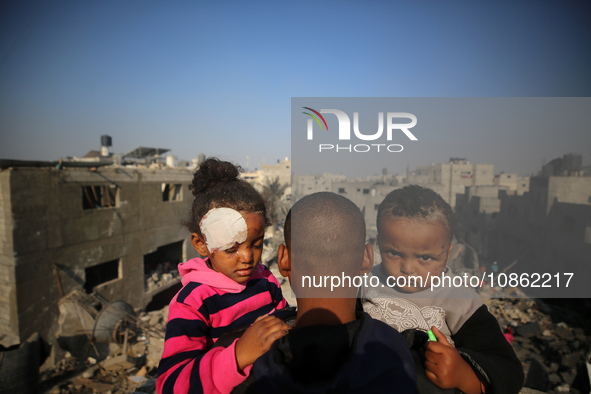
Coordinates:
[258,338]
[447,369]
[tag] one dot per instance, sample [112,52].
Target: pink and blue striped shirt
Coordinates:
[209,305]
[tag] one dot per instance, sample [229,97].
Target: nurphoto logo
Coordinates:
[393,127]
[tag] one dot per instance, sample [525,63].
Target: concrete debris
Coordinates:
[95,386]
[137,379]
[529,330]
[552,339]
[77,314]
[129,365]
[160,276]
[552,342]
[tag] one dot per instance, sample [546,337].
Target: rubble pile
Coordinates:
[160,276]
[552,338]
[554,353]
[127,367]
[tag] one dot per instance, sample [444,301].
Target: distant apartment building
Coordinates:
[476,215]
[256,177]
[367,195]
[280,172]
[451,178]
[513,183]
[447,179]
[552,223]
[305,184]
[113,230]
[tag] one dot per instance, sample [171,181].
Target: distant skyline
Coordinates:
[218,77]
[514,134]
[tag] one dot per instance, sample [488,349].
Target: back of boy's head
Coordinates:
[216,185]
[325,235]
[416,202]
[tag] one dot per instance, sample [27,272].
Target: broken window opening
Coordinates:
[171,192]
[100,273]
[160,267]
[103,196]
[162,298]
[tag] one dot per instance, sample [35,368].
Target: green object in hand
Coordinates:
[431,336]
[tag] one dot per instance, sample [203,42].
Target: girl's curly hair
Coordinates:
[216,185]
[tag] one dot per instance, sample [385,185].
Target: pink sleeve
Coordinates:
[219,370]
[187,365]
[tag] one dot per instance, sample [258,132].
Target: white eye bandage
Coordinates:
[222,229]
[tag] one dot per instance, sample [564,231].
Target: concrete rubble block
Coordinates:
[96,387]
[138,349]
[89,373]
[565,388]
[148,387]
[117,363]
[529,330]
[76,314]
[114,348]
[154,353]
[524,305]
[537,357]
[137,379]
[570,360]
[537,376]
[154,320]
[576,344]
[556,348]
[142,372]
[546,340]
[564,332]
[579,333]
[554,379]
[568,376]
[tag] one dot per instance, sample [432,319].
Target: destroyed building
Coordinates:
[549,224]
[115,230]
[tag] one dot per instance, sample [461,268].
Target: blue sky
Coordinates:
[218,77]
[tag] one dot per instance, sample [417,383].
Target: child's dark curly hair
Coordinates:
[416,202]
[216,185]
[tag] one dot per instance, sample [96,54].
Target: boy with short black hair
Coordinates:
[415,230]
[331,347]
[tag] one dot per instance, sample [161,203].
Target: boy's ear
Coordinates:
[451,246]
[199,245]
[367,259]
[284,262]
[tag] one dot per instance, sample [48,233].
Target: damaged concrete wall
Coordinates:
[51,226]
[9,328]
